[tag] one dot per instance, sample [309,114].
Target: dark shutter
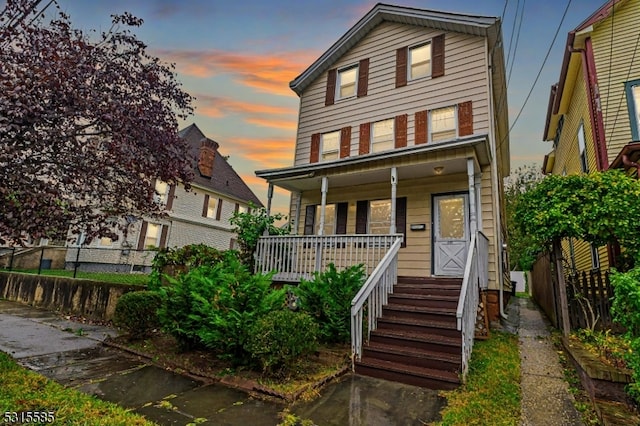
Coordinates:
[315,148]
[309,220]
[362,214]
[365,138]
[331,87]
[143,235]
[205,206]
[342,210]
[401,131]
[465,119]
[401,67]
[219,209]
[236,209]
[171,196]
[401,219]
[437,56]
[363,77]
[421,127]
[163,236]
[345,142]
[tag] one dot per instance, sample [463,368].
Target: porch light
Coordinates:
[438,170]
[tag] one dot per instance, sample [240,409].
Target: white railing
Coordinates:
[372,296]
[298,256]
[475,278]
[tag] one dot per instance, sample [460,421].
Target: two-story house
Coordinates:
[198,216]
[593,116]
[401,148]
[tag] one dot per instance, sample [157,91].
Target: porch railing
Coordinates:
[372,296]
[475,278]
[298,256]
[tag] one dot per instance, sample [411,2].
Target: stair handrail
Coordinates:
[382,279]
[475,276]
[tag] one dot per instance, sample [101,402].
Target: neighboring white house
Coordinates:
[201,215]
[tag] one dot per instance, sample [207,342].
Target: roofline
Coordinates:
[474,24]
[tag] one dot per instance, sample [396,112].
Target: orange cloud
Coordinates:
[276,124]
[266,153]
[268,73]
[214,106]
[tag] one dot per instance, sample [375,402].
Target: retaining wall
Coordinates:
[92,299]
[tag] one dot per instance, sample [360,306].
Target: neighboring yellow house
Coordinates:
[593,115]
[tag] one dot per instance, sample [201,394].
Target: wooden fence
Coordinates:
[543,285]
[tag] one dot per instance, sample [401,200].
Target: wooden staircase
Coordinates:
[417,341]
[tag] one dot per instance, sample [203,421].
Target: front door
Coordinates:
[450,234]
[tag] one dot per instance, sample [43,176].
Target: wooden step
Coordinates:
[447,327]
[420,341]
[424,299]
[416,376]
[429,280]
[422,313]
[413,357]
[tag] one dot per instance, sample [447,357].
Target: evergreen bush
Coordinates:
[137,313]
[281,339]
[327,299]
[174,261]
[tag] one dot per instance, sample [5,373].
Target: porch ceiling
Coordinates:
[411,163]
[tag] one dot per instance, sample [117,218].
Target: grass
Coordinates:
[110,277]
[492,393]
[24,390]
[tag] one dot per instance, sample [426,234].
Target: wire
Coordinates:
[541,68]
[515,48]
[513,30]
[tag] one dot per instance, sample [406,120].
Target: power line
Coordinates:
[513,30]
[515,49]
[541,67]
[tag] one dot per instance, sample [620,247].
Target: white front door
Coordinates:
[450,234]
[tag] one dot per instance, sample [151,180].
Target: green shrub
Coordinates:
[280,339]
[327,298]
[137,313]
[625,309]
[215,306]
[173,261]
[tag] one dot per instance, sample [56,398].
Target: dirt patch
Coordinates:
[304,383]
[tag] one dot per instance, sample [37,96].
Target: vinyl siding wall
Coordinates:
[464,80]
[613,57]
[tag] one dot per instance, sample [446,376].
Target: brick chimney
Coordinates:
[206,156]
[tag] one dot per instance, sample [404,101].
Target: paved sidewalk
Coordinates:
[545,393]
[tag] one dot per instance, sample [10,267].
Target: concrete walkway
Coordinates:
[545,393]
[72,354]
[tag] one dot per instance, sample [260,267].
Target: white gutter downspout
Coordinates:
[494,183]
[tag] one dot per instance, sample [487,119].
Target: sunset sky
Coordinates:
[238,57]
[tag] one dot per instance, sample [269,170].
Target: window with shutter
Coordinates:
[346,82]
[443,124]
[419,61]
[329,219]
[382,133]
[330,146]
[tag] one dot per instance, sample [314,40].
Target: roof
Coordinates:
[455,22]
[575,41]
[224,179]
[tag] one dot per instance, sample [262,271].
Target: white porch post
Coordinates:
[269,198]
[473,216]
[324,188]
[296,218]
[394,183]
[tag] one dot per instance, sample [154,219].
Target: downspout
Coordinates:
[494,183]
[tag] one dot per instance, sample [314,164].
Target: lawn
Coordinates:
[110,277]
[24,392]
[492,393]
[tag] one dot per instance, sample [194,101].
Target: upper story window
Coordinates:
[419,61]
[382,135]
[330,146]
[161,190]
[582,149]
[443,124]
[633,105]
[346,84]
